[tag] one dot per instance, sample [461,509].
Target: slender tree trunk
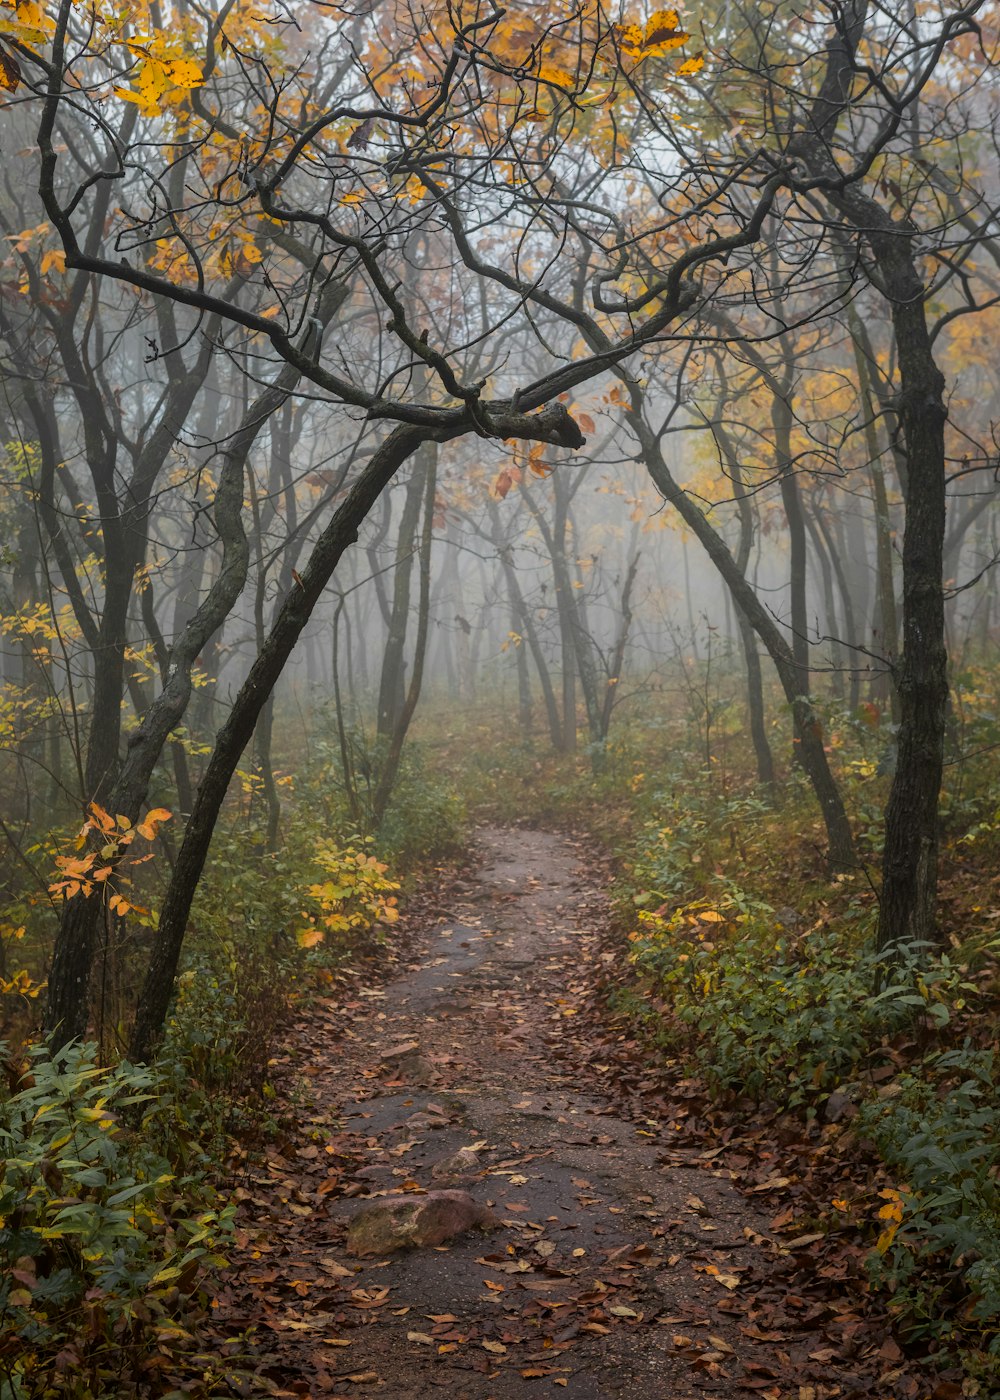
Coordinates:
[346,763]
[781,419]
[618,654]
[755,702]
[425,474]
[885,635]
[526,627]
[907,910]
[820,554]
[756,714]
[392,687]
[836,556]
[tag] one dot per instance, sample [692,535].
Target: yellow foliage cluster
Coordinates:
[354,899]
[164,75]
[19,983]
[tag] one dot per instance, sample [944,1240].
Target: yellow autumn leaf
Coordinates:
[658,36]
[558,77]
[691,65]
[309,937]
[160,77]
[54,258]
[184,73]
[415,189]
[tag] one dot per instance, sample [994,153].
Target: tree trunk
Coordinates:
[526,626]
[392,687]
[755,687]
[618,654]
[836,556]
[885,632]
[781,419]
[425,477]
[831,626]
[909,865]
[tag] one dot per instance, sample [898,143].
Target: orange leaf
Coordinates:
[154,819]
[100,818]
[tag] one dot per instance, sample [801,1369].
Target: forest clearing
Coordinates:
[499,799]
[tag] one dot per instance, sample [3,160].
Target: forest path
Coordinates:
[621,1264]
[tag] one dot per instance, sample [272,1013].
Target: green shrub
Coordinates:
[781,1015]
[939,1253]
[101,1240]
[426,818]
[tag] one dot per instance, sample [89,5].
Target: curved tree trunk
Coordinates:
[909,865]
[756,715]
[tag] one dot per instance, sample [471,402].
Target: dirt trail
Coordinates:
[622,1264]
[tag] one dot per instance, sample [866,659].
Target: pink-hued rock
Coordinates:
[415,1222]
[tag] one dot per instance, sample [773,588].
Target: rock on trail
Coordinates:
[416,1222]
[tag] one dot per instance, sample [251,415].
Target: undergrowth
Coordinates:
[108,1223]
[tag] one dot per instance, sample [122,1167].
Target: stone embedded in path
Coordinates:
[415,1222]
[460,1163]
[409,1066]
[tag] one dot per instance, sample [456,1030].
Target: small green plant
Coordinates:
[101,1240]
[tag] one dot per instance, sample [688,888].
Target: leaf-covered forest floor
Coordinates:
[644,1244]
